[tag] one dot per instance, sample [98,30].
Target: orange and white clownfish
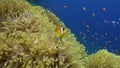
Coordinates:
[60,31]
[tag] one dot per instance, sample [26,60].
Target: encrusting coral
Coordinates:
[28,40]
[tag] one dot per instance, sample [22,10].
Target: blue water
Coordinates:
[95,23]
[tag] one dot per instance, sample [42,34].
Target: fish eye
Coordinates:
[63,28]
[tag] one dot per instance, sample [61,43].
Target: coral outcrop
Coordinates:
[28,40]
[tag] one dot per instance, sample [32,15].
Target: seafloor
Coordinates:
[28,40]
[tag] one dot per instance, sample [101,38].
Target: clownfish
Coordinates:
[60,31]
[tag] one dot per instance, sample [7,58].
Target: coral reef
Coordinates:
[28,40]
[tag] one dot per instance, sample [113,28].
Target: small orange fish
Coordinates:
[84,8]
[60,31]
[104,9]
[93,14]
[65,6]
